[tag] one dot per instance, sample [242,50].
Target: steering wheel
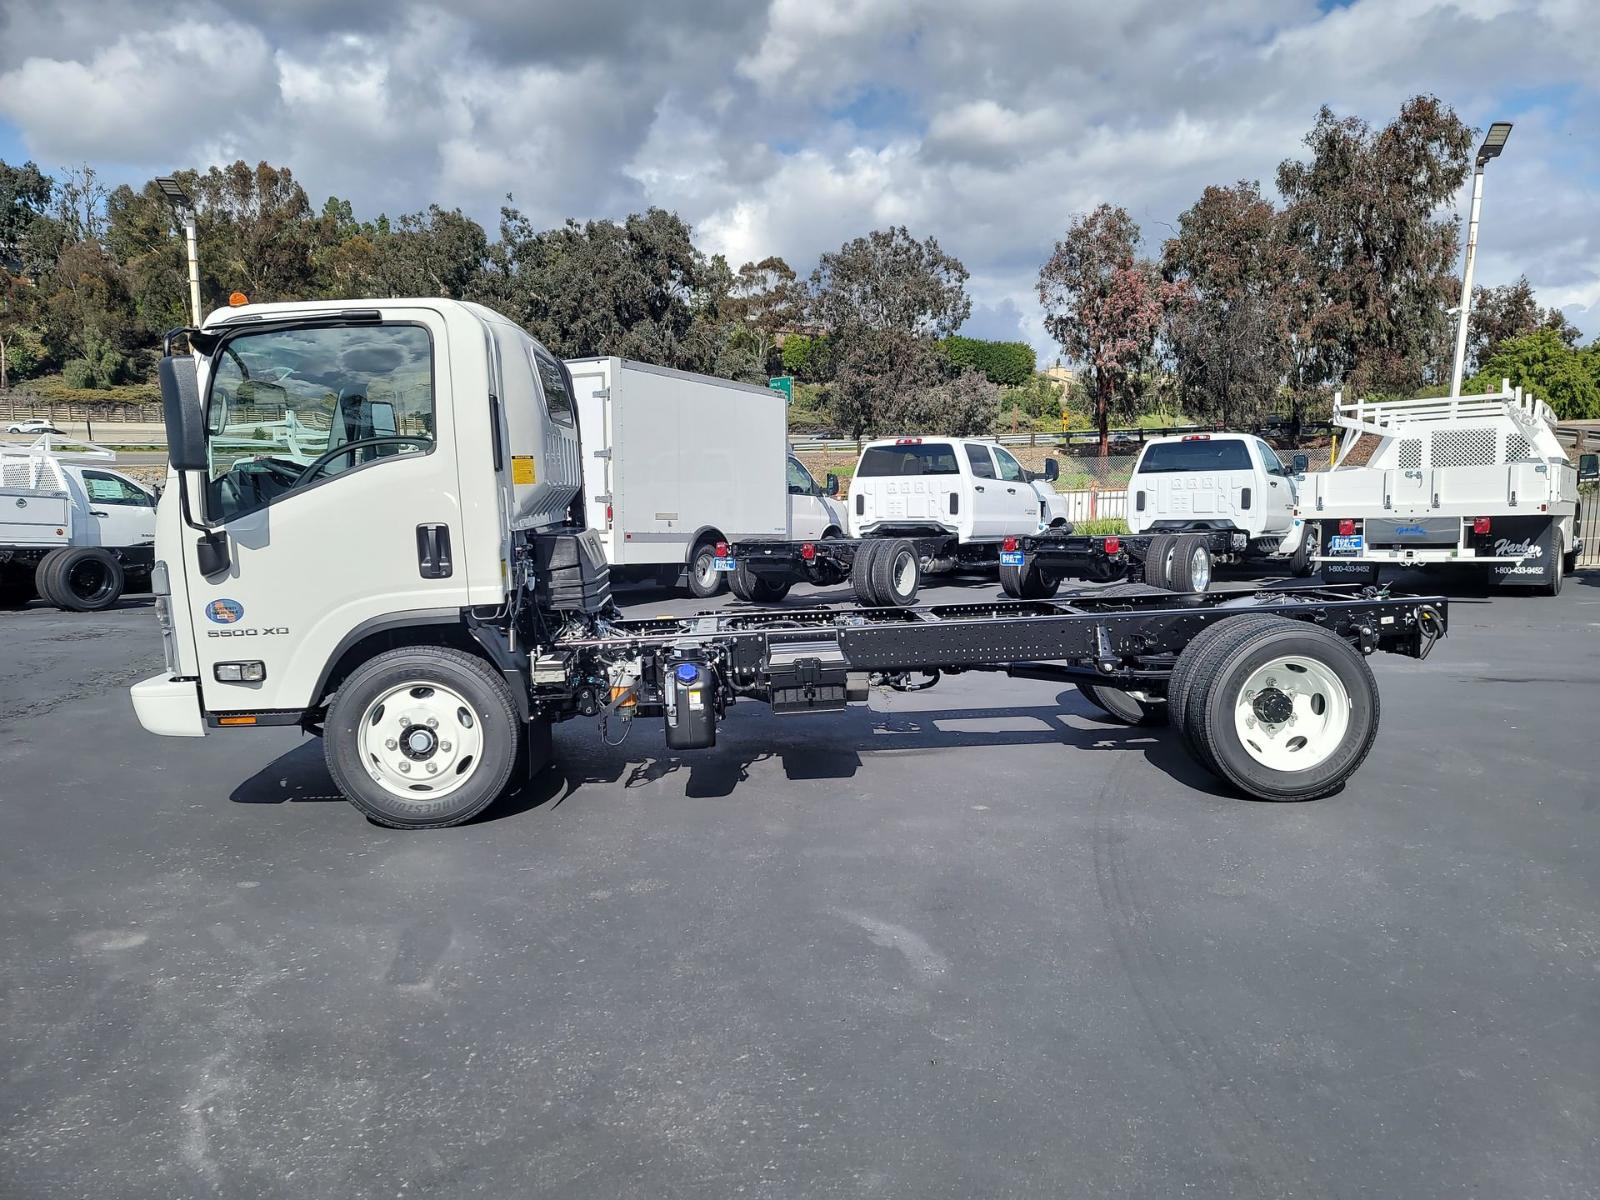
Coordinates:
[319,464]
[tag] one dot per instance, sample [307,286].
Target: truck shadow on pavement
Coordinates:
[816,748]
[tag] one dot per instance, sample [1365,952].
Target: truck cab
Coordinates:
[1212,481]
[814,512]
[971,488]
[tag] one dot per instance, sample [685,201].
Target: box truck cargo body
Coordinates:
[675,463]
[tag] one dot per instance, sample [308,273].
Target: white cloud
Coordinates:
[790,126]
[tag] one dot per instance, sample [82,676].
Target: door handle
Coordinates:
[433,552]
[95,512]
[1013,491]
[977,487]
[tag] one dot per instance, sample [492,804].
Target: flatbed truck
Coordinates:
[427,597]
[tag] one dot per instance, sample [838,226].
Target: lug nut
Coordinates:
[433,722]
[405,722]
[445,747]
[433,768]
[391,744]
[405,767]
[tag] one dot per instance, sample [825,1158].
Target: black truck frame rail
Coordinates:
[799,659]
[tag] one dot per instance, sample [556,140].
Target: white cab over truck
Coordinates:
[1194,500]
[72,530]
[914,502]
[676,464]
[1466,481]
[425,593]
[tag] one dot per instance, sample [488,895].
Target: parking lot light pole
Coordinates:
[184,207]
[1493,142]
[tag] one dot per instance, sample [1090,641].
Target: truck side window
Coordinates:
[978,456]
[1010,469]
[908,457]
[104,488]
[1270,461]
[800,481]
[283,398]
[556,397]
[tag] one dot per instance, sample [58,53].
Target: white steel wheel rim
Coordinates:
[420,741]
[1292,713]
[1200,568]
[905,573]
[705,568]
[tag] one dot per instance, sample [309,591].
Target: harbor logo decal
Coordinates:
[225,612]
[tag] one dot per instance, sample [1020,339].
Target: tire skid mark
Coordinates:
[1212,1074]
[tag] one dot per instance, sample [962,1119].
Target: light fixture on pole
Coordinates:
[184,207]
[1493,143]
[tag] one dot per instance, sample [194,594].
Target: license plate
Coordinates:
[1348,543]
[1011,558]
[724,564]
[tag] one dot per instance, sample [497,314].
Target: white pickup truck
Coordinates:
[914,503]
[1465,481]
[72,530]
[1194,500]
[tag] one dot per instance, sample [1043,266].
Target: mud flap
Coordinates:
[1538,541]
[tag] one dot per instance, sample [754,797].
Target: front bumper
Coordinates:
[169,707]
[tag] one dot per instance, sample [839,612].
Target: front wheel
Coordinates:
[1302,563]
[705,580]
[421,737]
[1189,567]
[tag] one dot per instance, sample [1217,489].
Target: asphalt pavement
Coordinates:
[968,942]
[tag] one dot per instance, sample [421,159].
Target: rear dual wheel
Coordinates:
[886,573]
[705,580]
[753,589]
[1028,582]
[1179,562]
[80,578]
[1280,709]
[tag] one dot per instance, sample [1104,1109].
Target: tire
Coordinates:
[896,573]
[1129,710]
[1189,568]
[1302,563]
[481,753]
[1557,570]
[1569,562]
[1196,662]
[704,580]
[1131,589]
[861,581]
[742,583]
[753,589]
[1157,556]
[80,578]
[1310,676]
[1028,582]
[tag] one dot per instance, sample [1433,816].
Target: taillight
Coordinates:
[1009,545]
[1113,545]
[608,516]
[722,550]
[1346,527]
[1480,524]
[808,551]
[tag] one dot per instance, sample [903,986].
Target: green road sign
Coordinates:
[784,384]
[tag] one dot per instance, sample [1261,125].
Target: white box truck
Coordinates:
[676,465]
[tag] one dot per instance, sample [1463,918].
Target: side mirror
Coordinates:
[1052,470]
[1588,468]
[1299,464]
[833,482]
[180,410]
[383,422]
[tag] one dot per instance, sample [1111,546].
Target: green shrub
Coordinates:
[1101,526]
[1009,364]
[78,373]
[806,358]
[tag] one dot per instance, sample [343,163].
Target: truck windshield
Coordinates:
[1213,454]
[283,398]
[931,458]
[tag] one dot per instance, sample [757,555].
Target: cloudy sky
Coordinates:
[787,126]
